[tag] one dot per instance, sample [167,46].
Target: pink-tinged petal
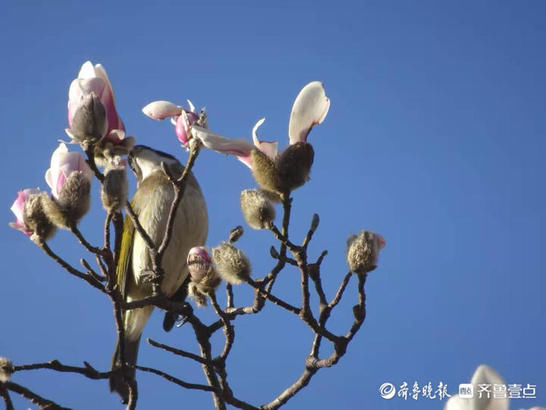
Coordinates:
[93,85]
[269,148]
[60,183]
[114,121]
[181,128]
[115,136]
[239,147]
[200,251]
[381,240]
[310,108]
[18,207]
[93,79]
[101,73]
[159,110]
[63,163]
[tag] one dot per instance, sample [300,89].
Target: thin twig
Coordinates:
[178,352]
[175,380]
[88,278]
[41,402]
[87,371]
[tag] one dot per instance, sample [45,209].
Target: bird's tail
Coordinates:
[134,322]
[117,379]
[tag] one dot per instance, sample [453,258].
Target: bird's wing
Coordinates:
[126,251]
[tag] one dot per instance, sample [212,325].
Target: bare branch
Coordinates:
[178,352]
[88,278]
[41,402]
[175,380]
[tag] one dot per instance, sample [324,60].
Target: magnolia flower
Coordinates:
[69,178]
[484,375]
[276,171]
[63,164]
[18,208]
[92,80]
[181,118]
[31,218]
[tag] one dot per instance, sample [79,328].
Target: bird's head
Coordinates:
[144,161]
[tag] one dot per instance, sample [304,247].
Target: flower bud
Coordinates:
[195,293]
[363,251]
[231,263]
[199,263]
[114,187]
[294,165]
[264,170]
[236,234]
[72,203]
[89,123]
[6,369]
[257,209]
[35,221]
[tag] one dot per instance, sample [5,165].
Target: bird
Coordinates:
[151,203]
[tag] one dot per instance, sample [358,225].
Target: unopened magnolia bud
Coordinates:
[6,369]
[294,165]
[231,263]
[236,234]
[89,123]
[257,209]
[363,251]
[264,170]
[36,220]
[72,203]
[199,263]
[114,187]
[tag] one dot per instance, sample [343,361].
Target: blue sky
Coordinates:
[435,139]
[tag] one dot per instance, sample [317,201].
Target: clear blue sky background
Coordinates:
[435,139]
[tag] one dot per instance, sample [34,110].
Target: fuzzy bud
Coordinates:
[72,203]
[236,234]
[199,263]
[36,220]
[264,170]
[89,124]
[6,369]
[195,293]
[231,263]
[294,165]
[207,285]
[257,209]
[363,251]
[114,188]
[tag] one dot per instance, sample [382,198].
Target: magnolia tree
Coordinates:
[155,254]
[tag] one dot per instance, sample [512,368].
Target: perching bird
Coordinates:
[151,203]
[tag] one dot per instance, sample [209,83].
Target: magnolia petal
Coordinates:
[269,148]
[239,147]
[181,128]
[87,70]
[159,110]
[457,403]
[192,107]
[310,108]
[115,136]
[101,72]
[486,375]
